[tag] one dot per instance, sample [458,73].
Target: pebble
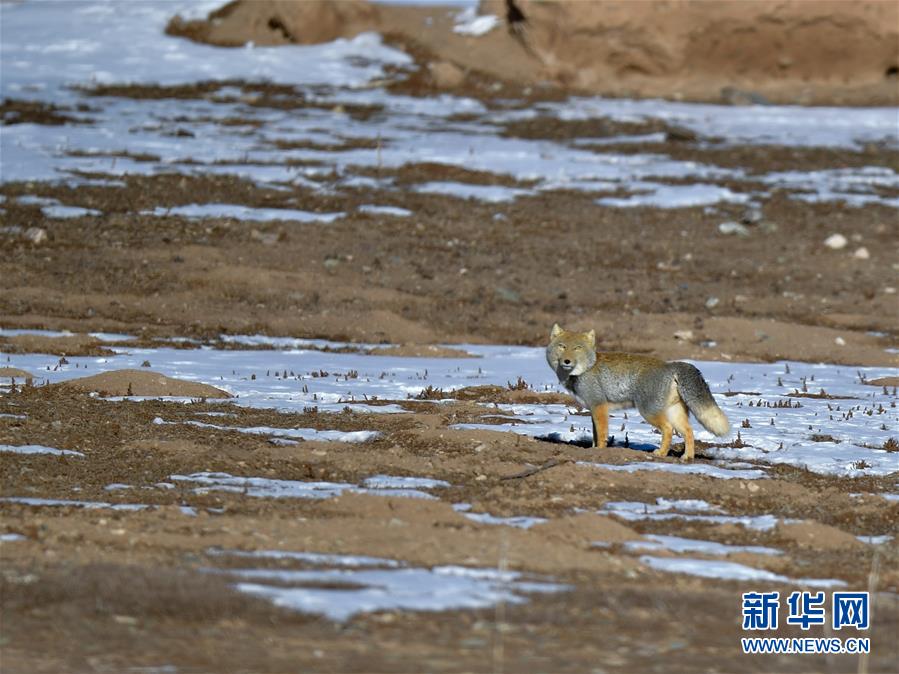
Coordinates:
[861,253]
[836,241]
[712,302]
[37,235]
[685,335]
[752,215]
[728,228]
[839,341]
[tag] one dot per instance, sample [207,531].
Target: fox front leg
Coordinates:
[600,415]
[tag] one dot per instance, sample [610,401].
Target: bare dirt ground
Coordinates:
[100,590]
[458,275]
[129,591]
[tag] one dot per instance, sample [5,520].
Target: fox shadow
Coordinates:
[586,442]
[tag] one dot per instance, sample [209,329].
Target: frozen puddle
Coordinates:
[237,212]
[683,468]
[261,487]
[705,568]
[693,510]
[288,433]
[369,584]
[38,449]
[678,544]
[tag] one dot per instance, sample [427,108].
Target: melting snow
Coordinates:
[468,22]
[393,482]
[385,210]
[364,585]
[38,449]
[301,433]
[875,540]
[705,568]
[678,544]
[62,212]
[201,211]
[489,193]
[64,503]
[674,196]
[261,487]
[688,468]
[331,380]
[685,510]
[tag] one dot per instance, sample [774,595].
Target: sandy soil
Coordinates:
[135,577]
[799,51]
[642,277]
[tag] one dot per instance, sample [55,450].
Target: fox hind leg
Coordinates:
[661,422]
[678,417]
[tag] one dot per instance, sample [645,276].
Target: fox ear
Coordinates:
[591,337]
[556,331]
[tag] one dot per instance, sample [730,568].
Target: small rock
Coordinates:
[861,253]
[679,134]
[728,228]
[836,241]
[508,295]
[752,215]
[839,341]
[712,302]
[734,96]
[36,235]
[265,238]
[684,335]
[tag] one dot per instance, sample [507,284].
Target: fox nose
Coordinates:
[567,361]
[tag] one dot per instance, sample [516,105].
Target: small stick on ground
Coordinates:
[527,472]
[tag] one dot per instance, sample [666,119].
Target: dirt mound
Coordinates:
[742,51]
[420,351]
[883,381]
[140,383]
[15,374]
[816,535]
[587,529]
[69,345]
[816,51]
[274,22]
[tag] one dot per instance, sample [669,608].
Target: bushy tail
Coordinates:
[695,393]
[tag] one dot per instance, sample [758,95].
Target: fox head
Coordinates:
[570,353]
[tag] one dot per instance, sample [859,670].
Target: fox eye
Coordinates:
[577,348]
